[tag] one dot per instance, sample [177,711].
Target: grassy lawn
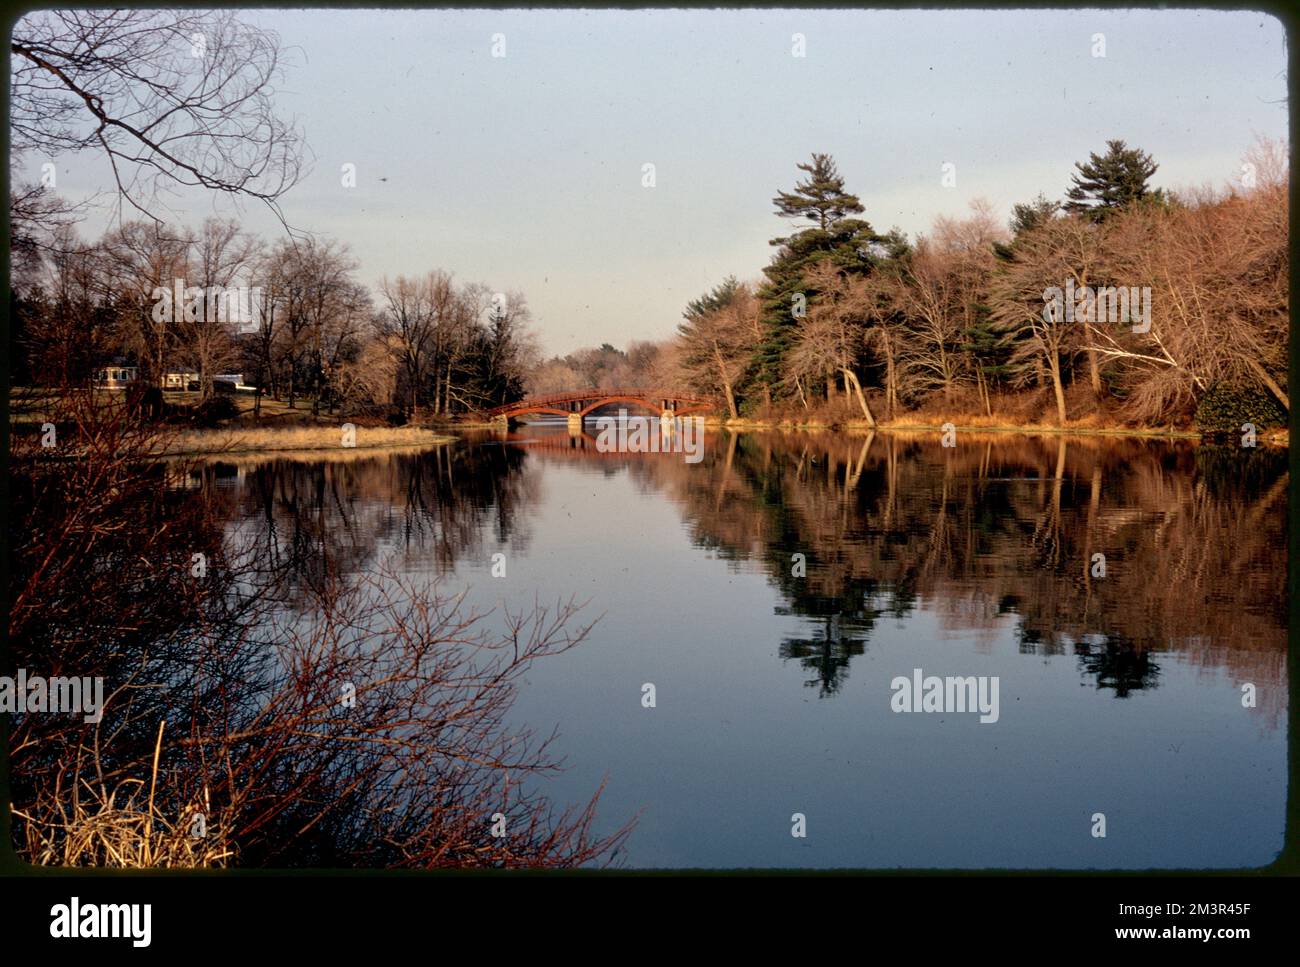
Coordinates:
[272,410]
[34,405]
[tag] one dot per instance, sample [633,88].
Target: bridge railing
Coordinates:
[579,396]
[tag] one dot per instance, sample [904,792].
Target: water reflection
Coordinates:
[1192,538]
[774,589]
[855,530]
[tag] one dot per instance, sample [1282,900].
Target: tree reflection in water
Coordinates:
[1001,525]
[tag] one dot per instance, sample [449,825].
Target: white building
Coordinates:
[114,377]
[178,380]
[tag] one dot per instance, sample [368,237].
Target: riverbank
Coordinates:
[310,440]
[1276,437]
[275,428]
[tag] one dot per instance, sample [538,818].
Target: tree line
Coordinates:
[1120,303]
[306,331]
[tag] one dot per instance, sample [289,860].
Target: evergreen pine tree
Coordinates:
[1027,216]
[1110,182]
[716,298]
[832,234]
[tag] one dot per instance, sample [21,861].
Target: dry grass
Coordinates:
[124,829]
[29,406]
[314,439]
[255,458]
[107,834]
[998,423]
[280,430]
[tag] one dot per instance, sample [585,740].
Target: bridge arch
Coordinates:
[582,403]
[534,411]
[654,408]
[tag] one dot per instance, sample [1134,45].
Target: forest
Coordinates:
[315,335]
[1120,305]
[968,322]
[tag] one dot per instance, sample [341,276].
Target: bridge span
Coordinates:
[577,405]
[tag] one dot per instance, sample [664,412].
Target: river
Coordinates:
[1120,604]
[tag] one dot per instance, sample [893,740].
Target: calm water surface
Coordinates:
[1119,695]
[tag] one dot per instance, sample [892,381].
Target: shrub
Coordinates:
[224,691]
[215,410]
[1226,406]
[145,401]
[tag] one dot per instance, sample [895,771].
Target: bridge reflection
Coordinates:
[571,442]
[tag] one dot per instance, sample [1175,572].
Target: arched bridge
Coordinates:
[576,405]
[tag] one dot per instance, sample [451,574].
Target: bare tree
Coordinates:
[262,344]
[145,260]
[554,376]
[35,217]
[1266,164]
[834,336]
[1041,335]
[330,304]
[1219,274]
[931,296]
[716,344]
[172,99]
[456,321]
[945,284]
[344,332]
[372,376]
[69,313]
[223,257]
[409,317]
[312,307]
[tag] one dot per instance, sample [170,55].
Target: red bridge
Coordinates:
[576,405]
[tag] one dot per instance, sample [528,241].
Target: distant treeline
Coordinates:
[1118,304]
[291,317]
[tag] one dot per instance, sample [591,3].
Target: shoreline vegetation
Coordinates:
[319,442]
[284,433]
[280,429]
[861,426]
[258,689]
[310,440]
[1122,309]
[1275,437]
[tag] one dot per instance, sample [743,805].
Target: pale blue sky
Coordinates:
[525,171]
